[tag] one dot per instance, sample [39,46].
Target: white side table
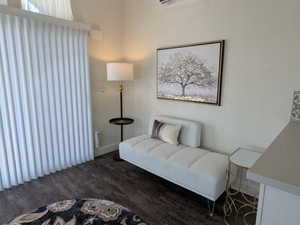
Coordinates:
[242,159]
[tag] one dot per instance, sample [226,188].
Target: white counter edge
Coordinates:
[274,183]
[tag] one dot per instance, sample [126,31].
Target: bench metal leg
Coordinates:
[211,207]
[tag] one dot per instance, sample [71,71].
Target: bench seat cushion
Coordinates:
[198,170]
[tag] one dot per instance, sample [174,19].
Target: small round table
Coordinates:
[243,159]
[121,121]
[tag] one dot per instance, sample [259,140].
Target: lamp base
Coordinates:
[116,157]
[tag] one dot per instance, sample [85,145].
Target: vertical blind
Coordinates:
[45,116]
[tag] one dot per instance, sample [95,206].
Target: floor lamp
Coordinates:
[120,72]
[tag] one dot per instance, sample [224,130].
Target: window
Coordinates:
[3,2]
[31,7]
[56,8]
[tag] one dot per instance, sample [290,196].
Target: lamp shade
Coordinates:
[119,71]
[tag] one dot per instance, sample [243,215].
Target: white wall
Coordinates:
[106,15]
[14,3]
[261,67]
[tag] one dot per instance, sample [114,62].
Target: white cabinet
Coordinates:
[277,207]
[278,171]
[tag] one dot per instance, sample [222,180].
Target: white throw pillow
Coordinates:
[170,133]
[166,132]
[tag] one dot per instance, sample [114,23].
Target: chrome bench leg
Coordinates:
[211,207]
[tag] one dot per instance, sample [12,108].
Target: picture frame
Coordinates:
[191,73]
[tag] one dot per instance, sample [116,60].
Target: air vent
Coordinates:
[165,1]
[175,2]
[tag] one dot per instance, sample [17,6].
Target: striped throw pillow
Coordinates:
[166,132]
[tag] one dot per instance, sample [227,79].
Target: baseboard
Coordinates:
[106,149]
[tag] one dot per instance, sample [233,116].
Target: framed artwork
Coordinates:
[191,72]
[296,106]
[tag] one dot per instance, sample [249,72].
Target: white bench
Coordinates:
[187,165]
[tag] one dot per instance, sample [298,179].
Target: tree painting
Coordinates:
[190,73]
[184,70]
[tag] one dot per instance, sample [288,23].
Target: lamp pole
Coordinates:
[121,108]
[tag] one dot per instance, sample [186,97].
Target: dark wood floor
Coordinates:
[157,201]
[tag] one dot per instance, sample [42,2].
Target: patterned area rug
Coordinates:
[80,212]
